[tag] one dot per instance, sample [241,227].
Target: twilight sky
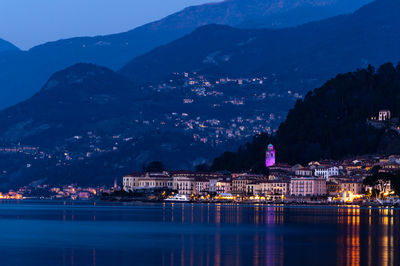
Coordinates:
[26,23]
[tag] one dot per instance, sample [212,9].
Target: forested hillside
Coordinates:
[330,122]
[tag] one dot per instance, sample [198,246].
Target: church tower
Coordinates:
[270,156]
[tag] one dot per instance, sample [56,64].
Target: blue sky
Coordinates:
[30,22]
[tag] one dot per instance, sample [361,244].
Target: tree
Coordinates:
[329,123]
[155,166]
[202,168]
[380,180]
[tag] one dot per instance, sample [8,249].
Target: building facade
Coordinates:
[202,186]
[146,181]
[223,186]
[275,187]
[185,185]
[239,184]
[131,181]
[304,172]
[306,187]
[354,187]
[326,172]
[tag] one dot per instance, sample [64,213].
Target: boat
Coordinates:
[178,198]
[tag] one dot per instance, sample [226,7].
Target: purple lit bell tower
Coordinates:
[270,156]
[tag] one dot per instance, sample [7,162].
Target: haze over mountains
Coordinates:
[23,73]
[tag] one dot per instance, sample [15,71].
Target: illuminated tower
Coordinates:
[270,156]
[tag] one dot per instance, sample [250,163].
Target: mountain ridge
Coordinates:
[23,73]
[7,46]
[323,48]
[89,124]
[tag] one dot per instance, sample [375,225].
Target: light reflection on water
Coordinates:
[71,233]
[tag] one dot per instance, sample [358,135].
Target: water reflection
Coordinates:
[368,237]
[197,234]
[348,238]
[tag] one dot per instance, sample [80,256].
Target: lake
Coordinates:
[94,233]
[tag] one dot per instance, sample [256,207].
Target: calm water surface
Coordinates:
[71,233]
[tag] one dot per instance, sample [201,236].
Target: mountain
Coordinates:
[22,73]
[115,50]
[80,95]
[89,125]
[298,57]
[80,127]
[331,123]
[6,46]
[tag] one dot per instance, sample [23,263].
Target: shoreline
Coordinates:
[244,203]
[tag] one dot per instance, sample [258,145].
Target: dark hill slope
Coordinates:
[312,52]
[71,100]
[330,123]
[89,125]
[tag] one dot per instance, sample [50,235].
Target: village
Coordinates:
[324,181]
[318,182]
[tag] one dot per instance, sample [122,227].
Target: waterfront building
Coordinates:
[307,186]
[131,181]
[202,185]
[213,185]
[353,186]
[275,187]
[224,186]
[239,184]
[146,181]
[185,185]
[253,188]
[188,182]
[207,175]
[239,181]
[155,180]
[84,195]
[332,188]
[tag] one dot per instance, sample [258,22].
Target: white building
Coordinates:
[185,185]
[130,182]
[146,181]
[384,115]
[326,172]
